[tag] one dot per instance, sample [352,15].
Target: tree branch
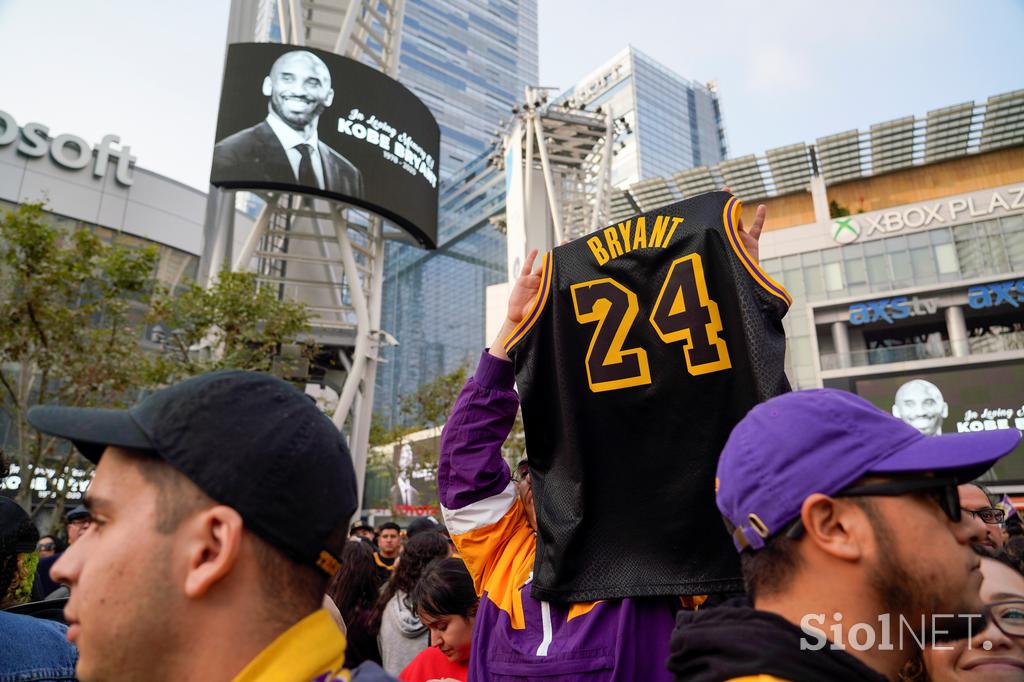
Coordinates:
[10,391]
[35,324]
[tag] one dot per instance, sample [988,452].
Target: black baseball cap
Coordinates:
[421,524]
[361,525]
[79,512]
[248,440]
[17,532]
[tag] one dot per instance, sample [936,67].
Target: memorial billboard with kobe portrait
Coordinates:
[304,120]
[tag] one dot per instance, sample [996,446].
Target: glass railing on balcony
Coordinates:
[990,343]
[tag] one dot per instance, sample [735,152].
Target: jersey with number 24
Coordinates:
[647,342]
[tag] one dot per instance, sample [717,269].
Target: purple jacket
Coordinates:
[516,637]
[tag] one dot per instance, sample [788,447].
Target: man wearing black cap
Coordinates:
[852,540]
[361,530]
[219,507]
[78,522]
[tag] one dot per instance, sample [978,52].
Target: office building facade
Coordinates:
[671,123]
[903,248]
[470,64]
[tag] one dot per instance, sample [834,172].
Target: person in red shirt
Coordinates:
[446,602]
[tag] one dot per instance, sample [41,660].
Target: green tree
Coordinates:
[71,312]
[837,211]
[430,404]
[234,323]
[427,407]
[69,307]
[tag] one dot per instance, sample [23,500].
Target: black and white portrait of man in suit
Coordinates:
[285,146]
[404,492]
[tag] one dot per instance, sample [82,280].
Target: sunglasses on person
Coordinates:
[45,546]
[942,490]
[989,515]
[1008,616]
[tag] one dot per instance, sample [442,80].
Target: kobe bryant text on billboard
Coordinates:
[397,147]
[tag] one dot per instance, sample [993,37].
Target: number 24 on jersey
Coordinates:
[683,312]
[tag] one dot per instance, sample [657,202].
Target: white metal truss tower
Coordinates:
[573,149]
[325,253]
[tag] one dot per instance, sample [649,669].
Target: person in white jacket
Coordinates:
[400,633]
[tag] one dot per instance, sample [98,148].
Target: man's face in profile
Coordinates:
[122,606]
[920,404]
[299,87]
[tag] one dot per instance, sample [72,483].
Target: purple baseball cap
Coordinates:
[821,441]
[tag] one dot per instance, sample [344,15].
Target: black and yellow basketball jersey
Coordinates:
[647,342]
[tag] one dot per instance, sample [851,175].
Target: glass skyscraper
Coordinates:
[469,62]
[673,123]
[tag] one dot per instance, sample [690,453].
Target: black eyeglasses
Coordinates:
[989,515]
[942,490]
[1008,616]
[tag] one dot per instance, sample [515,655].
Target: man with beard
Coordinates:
[285,147]
[848,523]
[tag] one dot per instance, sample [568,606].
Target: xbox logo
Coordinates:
[845,230]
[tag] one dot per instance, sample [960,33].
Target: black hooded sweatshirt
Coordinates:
[734,641]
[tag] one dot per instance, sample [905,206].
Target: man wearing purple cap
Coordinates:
[851,539]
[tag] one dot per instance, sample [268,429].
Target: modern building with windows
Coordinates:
[470,63]
[903,249]
[671,123]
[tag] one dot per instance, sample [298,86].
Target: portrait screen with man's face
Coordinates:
[304,120]
[956,400]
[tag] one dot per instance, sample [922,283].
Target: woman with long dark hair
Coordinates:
[354,591]
[401,635]
[446,602]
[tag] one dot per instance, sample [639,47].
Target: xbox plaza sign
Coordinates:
[848,229]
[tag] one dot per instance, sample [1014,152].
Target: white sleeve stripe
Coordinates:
[479,514]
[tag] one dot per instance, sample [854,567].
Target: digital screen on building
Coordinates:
[304,120]
[954,400]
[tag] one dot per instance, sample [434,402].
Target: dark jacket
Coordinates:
[255,156]
[735,641]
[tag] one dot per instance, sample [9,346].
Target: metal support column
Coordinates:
[956,328]
[291,249]
[549,181]
[841,341]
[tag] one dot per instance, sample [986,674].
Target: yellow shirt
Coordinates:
[312,650]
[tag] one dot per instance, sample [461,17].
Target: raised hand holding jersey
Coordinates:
[647,342]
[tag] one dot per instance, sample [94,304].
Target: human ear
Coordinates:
[831,527]
[268,87]
[214,542]
[329,98]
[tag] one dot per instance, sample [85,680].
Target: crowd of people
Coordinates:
[215,543]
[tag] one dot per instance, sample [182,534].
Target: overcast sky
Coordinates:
[787,70]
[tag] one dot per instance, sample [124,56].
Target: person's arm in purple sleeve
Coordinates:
[478,499]
[471,467]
